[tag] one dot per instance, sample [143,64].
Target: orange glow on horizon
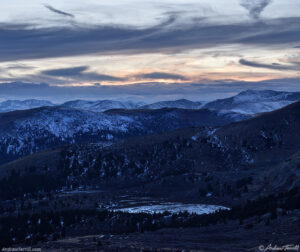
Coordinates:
[207,80]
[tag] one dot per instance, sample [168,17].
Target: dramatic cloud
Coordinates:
[145,41]
[255,7]
[20,42]
[49,7]
[274,66]
[79,74]
[161,75]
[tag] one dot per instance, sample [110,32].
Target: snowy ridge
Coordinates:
[12,105]
[101,106]
[53,126]
[63,122]
[183,103]
[256,96]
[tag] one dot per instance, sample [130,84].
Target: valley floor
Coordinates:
[231,237]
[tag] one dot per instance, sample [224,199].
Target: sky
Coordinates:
[147,50]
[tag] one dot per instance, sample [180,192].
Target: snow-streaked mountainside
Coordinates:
[102,105]
[183,103]
[260,142]
[254,102]
[25,132]
[12,105]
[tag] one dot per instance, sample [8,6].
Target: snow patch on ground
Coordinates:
[172,208]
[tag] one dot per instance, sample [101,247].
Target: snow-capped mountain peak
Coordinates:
[264,95]
[255,101]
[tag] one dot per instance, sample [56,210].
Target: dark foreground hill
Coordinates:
[26,132]
[184,156]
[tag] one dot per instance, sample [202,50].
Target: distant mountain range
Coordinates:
[246,102]
[11,105]
[25,131]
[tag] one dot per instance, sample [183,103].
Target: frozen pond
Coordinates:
[133,204]
[78,191]
[82,192]
[172,208]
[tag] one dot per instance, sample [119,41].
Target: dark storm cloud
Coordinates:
[23,42]
[79,74]
[255,7]
[274,66]
[161,75]
[17,67]
[65,72]
[49,7]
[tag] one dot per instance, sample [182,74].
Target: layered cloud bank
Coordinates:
[171,42]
